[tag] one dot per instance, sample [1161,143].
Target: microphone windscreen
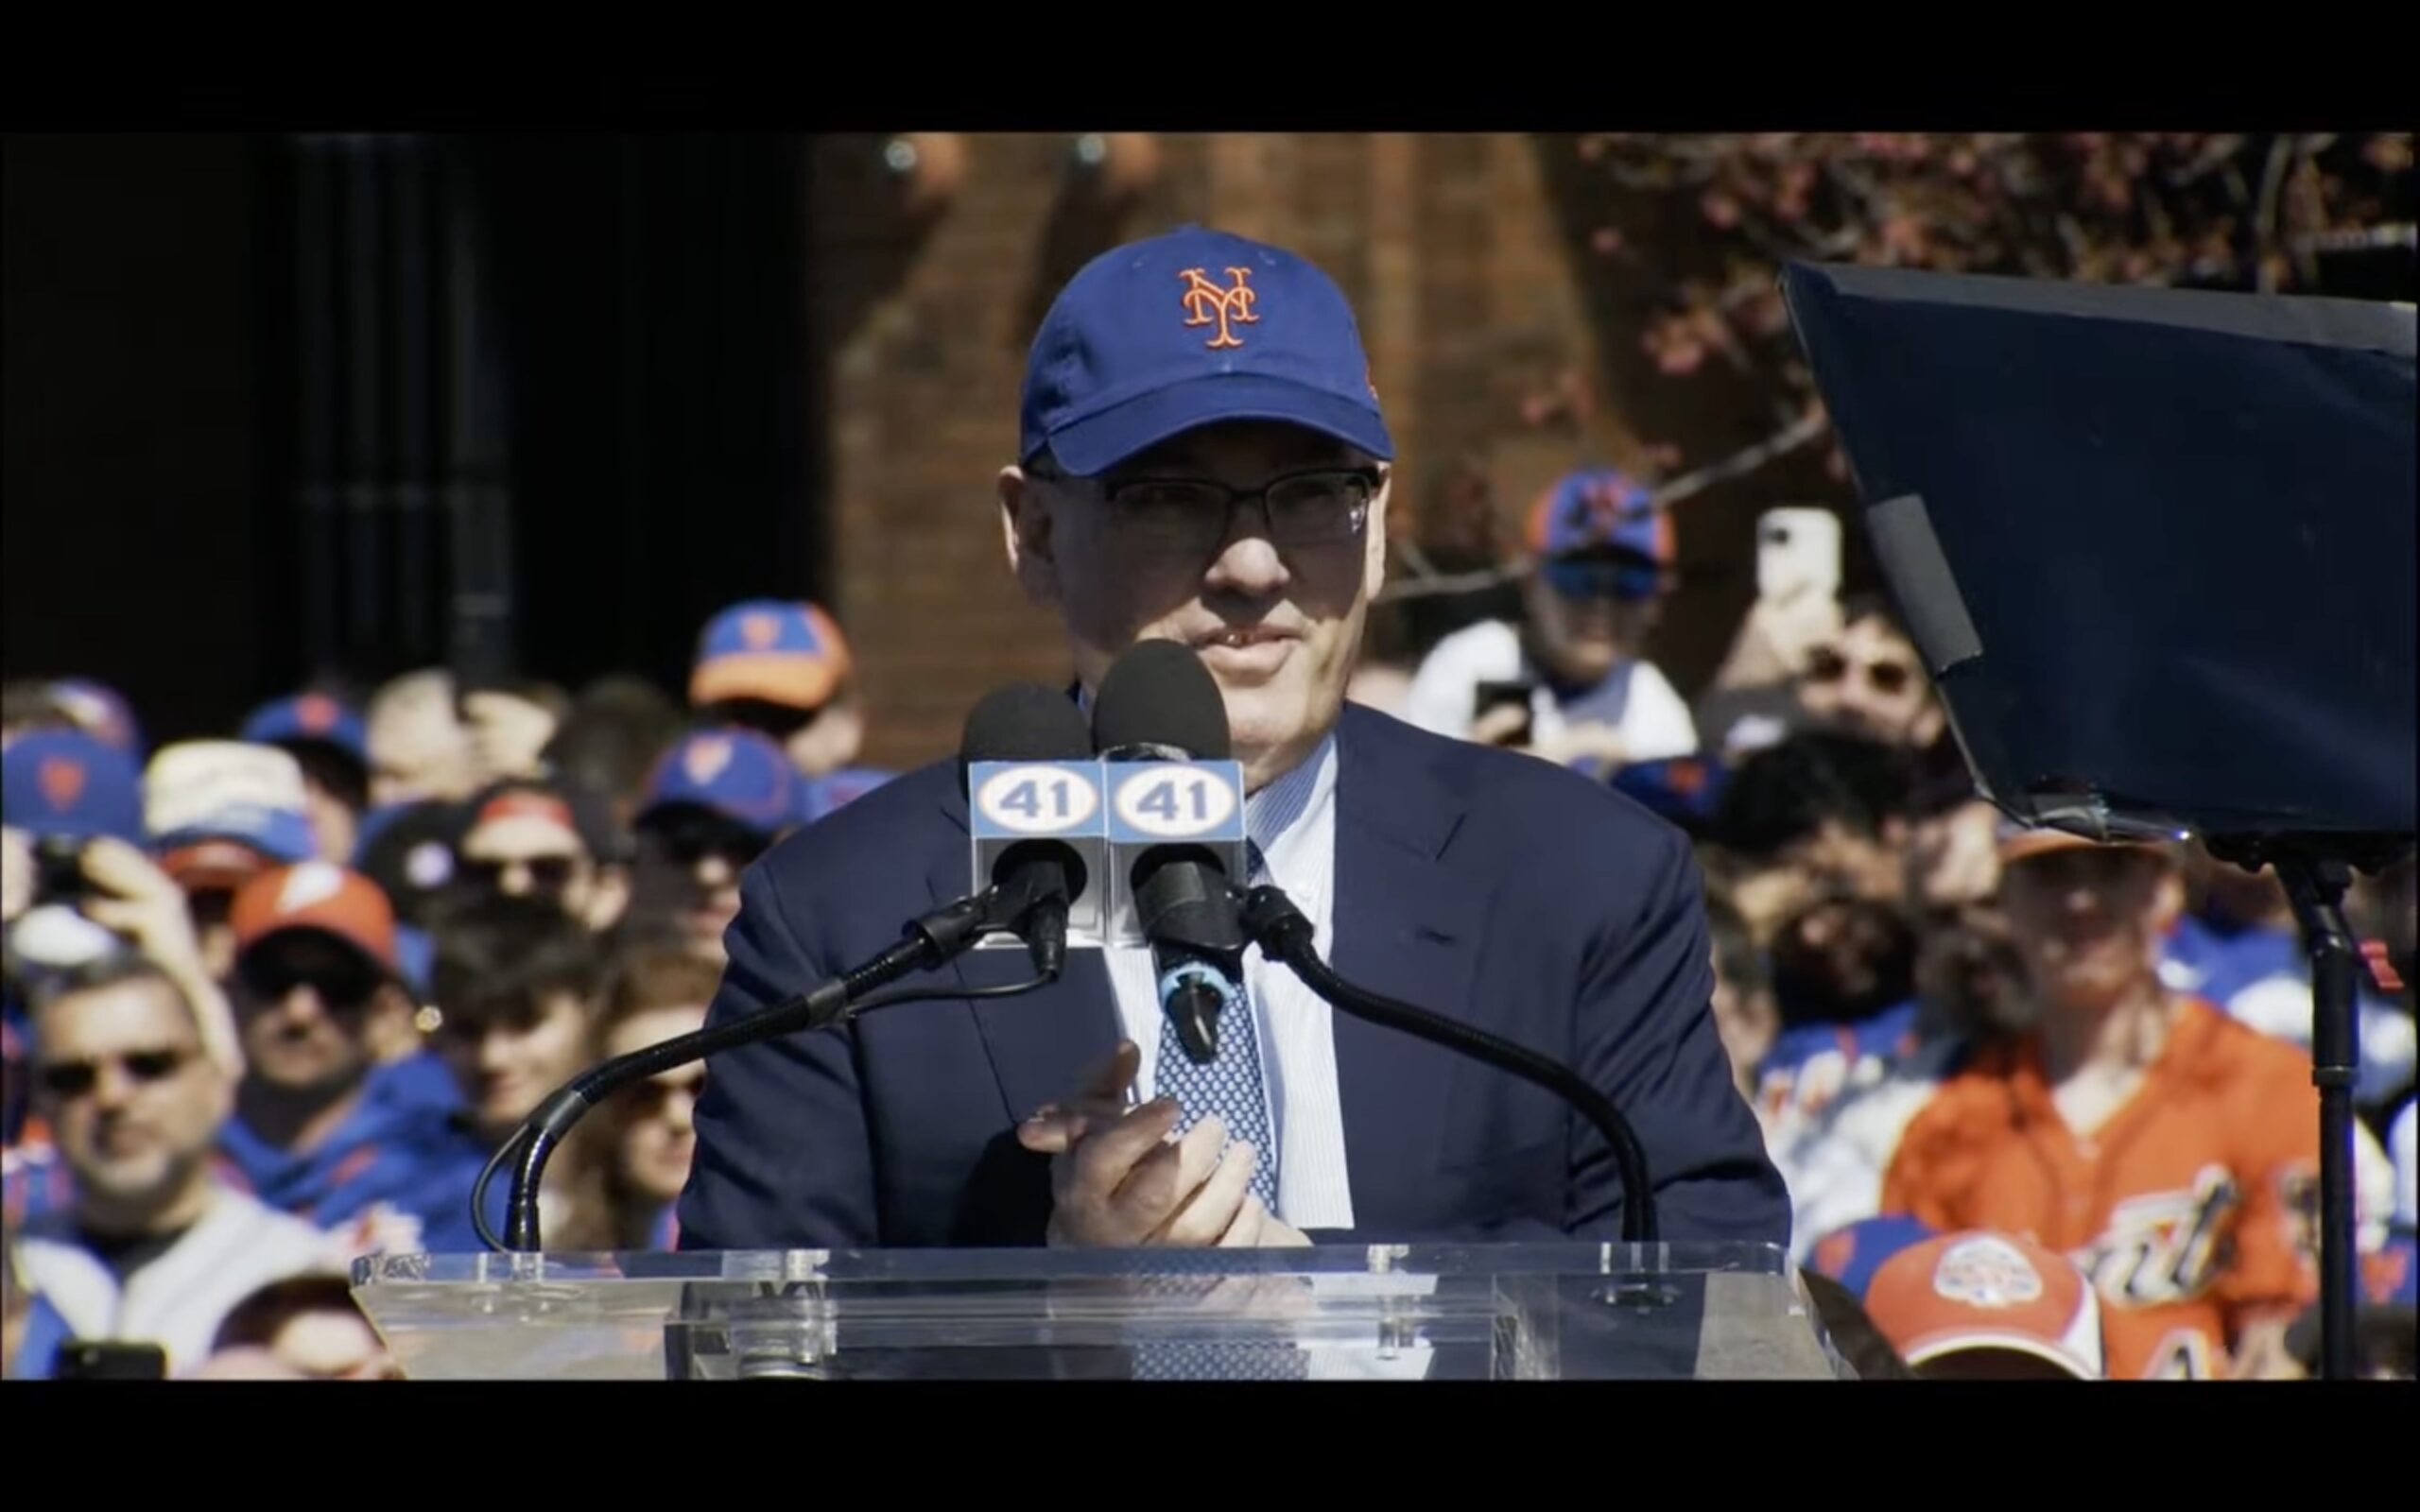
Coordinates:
[1025,722]
[1159,694]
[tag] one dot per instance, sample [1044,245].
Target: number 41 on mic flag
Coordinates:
[1155,805]
[1012,803]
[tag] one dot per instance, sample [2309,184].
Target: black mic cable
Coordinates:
[1272,922]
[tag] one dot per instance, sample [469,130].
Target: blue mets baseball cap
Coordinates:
[1852,1253]
[67,783]
[780,652]
[1602,513]
[737,773]
[309,718]
[1161,336]
[1685,791]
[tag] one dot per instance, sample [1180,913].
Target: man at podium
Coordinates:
[1204,459]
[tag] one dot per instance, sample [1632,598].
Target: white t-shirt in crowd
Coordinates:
[178,1299]
[1635,698]
[2407,1172]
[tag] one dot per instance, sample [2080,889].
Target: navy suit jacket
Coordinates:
[1472,881]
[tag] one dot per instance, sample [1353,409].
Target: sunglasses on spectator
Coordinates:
[343,983]
[547,874]
[1585,579]
[1887,676]
[77,1078]
[692,837]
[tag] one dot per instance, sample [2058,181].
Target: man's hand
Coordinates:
[1118,1179]
[139,900]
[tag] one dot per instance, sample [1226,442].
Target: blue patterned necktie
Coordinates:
[1230,1087]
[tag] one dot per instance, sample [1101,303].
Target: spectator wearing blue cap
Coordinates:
[1204,460]
[782,668]
[332,746]
[1570,683]
[716,801]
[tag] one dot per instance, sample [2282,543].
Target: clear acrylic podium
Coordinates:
[1571,1310]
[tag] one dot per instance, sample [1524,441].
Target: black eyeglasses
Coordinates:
[344,984]
[1192,516]
[692,837]
[547,874]
[77,1078]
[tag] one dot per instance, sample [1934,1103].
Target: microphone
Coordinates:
[1027,896]
[1176,832]
[1271,921]
[1034,815]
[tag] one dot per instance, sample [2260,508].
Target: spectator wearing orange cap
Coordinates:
[323,1128]
[2172,1151]
[783,670]
[1983,1306]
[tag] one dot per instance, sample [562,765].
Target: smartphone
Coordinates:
[59,870]
[96,1360]
[1798,552]
[1497,696]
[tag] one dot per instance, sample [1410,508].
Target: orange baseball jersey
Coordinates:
[2190,1208]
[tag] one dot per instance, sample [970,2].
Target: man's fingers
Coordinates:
[1213,1209]
[1056,1126]
[1244,1232]
[1164,1177]
[1109,1081]
[1091,1173]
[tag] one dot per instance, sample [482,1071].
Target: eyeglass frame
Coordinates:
[1374,478]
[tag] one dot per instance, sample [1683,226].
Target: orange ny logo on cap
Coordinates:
[62,781]
[316,712]
[759,630]
[1206,303]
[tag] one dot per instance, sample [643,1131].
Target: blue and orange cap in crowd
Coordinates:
[1684,790]
[1597,534]
[309,719]
[67,783]
[772,650]
[1193,327]
[1853,1252]
[737,773]
[101,711]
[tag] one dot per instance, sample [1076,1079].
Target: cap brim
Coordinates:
[776,676]
[1091,446]
[1933,1346]
[754,823]
[386,968]
[2028,843]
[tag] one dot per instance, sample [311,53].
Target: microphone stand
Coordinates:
[1034,906]
[2315,871]
[1272,922]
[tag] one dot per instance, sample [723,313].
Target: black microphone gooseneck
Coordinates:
[1272,922]
[1029,895]
[1158,702]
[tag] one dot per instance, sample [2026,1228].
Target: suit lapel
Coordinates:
[1039,1041]
[1405,928]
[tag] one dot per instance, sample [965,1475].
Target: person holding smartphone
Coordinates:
[1570,683]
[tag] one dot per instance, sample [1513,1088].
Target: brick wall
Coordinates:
[1450,247]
